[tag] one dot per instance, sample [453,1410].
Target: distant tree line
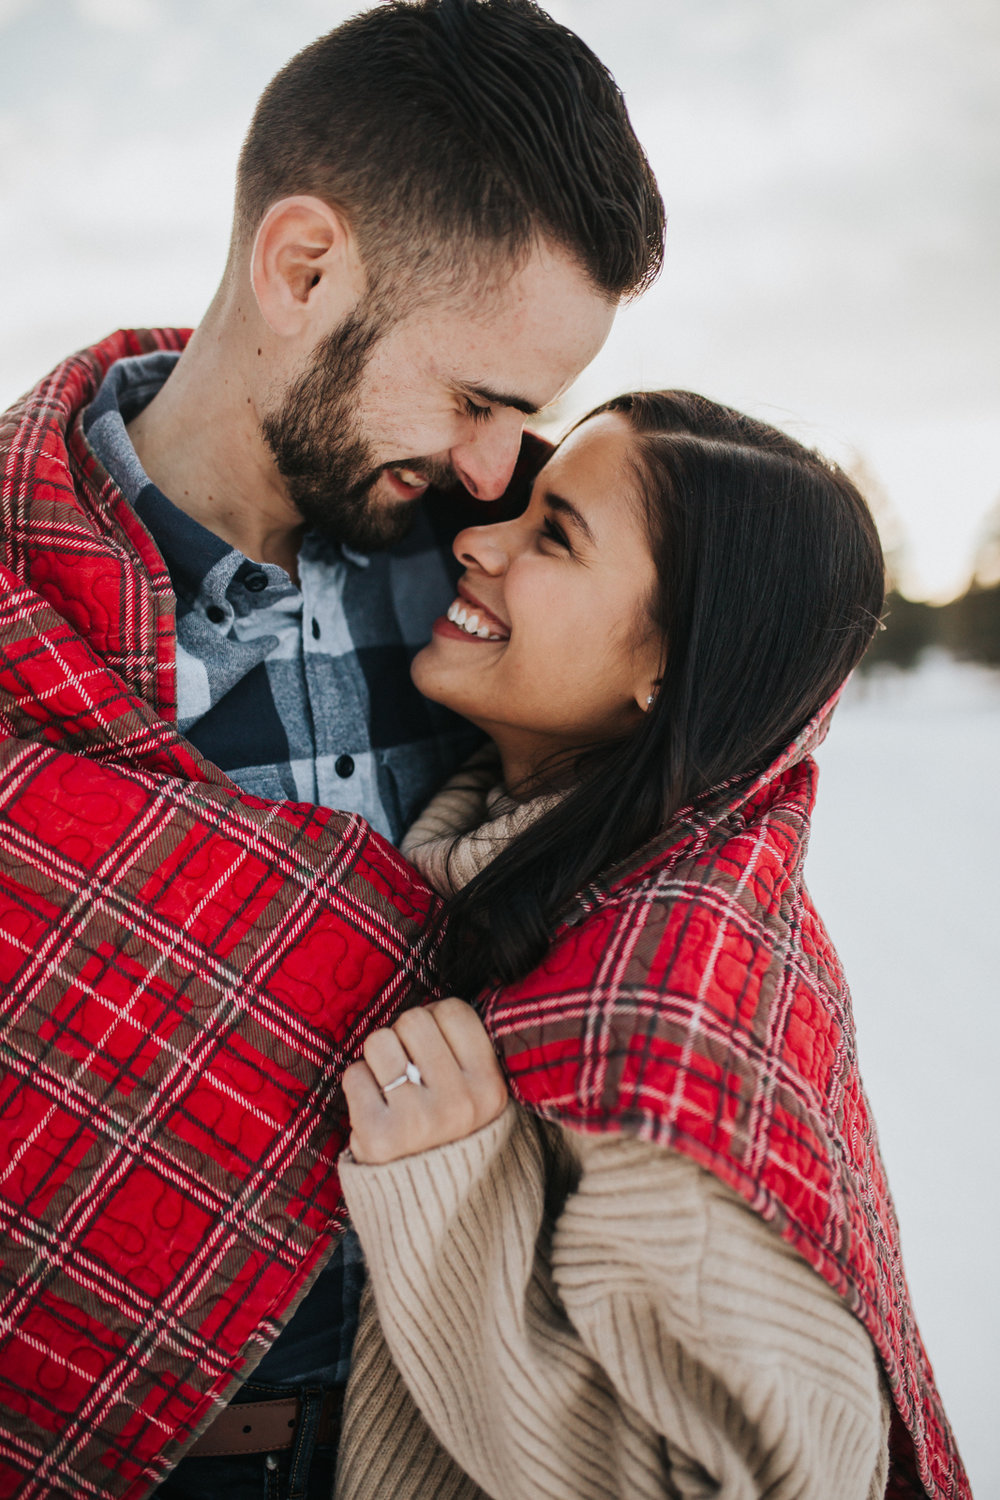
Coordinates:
[968,627]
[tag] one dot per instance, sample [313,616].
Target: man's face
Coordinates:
[441,397]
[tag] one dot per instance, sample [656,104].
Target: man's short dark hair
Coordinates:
[453,132]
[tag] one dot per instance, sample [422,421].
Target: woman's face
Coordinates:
[549,646]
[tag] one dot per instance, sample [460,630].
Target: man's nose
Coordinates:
[485,461]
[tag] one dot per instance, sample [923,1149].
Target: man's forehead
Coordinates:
[514,351]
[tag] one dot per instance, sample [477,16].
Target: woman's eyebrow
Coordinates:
[566,508]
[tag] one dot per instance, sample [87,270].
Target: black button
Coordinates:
[344,766]
[315,630]
[216,613]
[255,582]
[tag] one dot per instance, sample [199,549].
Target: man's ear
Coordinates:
[305,269]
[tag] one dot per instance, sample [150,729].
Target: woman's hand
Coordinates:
[461,1086]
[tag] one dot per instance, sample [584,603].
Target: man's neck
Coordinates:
[199,442]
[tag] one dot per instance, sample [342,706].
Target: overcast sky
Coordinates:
[830,169]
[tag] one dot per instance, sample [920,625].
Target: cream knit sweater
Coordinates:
[574,1317]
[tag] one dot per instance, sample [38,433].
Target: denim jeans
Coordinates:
[302,1472]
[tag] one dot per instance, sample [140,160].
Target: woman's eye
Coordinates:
[477,413]
[553,532]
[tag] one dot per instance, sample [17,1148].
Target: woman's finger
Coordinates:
[373,1135]
[464,1033]
[362,1091]
[385,1055]
[473,1050]
[422,1038]
[367,1110]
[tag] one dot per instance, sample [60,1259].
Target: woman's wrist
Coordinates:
[485,1140]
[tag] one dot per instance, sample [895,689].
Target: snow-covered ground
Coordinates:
[903,866]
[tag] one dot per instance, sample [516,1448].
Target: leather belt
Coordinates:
[265,1426]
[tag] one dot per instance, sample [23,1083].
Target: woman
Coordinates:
[654,1256]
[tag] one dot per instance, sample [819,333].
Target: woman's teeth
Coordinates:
[468,620]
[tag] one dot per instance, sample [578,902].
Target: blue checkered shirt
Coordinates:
[303,694]
[298,693]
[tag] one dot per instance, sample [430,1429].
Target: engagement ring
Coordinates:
[411,1075]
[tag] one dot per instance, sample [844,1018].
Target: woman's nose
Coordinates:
[484,547]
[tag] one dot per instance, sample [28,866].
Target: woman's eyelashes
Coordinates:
[553,532]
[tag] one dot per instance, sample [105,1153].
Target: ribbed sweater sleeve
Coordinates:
[564,1317]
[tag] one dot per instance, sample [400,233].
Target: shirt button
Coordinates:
[216,613]
[344,766]
[315,630]
[255,582]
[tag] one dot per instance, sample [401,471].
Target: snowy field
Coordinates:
[903,867]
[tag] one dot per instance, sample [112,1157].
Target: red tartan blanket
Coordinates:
[694,999]
[183,972]
[185,969]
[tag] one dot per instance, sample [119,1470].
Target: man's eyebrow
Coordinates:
[566,508]
[498,398]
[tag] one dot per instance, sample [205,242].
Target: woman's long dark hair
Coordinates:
[770,583]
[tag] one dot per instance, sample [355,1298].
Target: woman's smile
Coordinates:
[472,620]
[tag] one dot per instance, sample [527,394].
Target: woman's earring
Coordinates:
[649,700]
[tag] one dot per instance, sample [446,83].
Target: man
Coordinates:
[216,565]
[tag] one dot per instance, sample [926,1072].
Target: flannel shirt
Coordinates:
[299,693]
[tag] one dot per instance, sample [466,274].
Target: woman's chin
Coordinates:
[427,679]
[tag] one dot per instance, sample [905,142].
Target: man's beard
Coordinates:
[327,464]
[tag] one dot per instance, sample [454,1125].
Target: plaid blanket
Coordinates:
[184,970]
[694,999]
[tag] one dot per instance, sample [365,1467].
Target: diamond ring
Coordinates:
[411,1075]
